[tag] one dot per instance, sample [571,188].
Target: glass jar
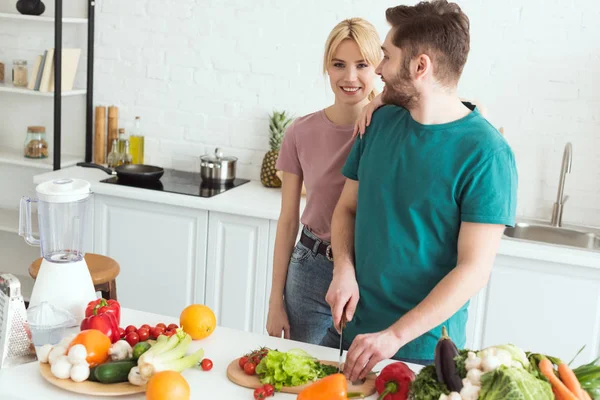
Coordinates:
[36,145]
[19,73]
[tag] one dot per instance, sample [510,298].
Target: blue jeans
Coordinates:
[332,339]
[308,279]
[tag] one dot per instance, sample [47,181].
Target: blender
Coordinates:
[63,280]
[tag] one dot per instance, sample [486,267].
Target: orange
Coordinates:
[96,343]
[198,321]
[167,385]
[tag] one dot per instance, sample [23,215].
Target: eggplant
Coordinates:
[445,366]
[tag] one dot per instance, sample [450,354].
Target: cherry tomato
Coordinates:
[250,368]
[163,325]
[132,338]
[122,333]
[269,390]
[207,364]
[242,361]
[144,334]
[169,333]
[145,326]
[172,327]
[156,332]
[260,394]
[256,360]
[130,328]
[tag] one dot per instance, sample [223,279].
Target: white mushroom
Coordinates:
[472,361]
[44,352]
[121,350]
[77,354]
[135,378]
[61,368]
[55,353]
[474,376]
[80,372]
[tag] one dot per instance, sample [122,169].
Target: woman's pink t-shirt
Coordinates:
[315,149]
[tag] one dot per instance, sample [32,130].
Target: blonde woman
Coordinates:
[313,151]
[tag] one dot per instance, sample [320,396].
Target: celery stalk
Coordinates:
[181,364]
[175,353]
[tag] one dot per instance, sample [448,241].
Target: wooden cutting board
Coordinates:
[239,377]
[91,388]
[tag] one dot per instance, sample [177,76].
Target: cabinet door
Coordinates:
[544,307]
[161,250]
[236,276]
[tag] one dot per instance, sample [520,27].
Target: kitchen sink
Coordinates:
[580,238]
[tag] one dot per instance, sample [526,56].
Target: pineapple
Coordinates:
[279,121]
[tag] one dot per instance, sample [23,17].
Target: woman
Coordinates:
[313,152]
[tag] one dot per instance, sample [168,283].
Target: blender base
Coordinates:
[65,285]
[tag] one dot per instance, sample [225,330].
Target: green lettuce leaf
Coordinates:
[293,368]
[513,384]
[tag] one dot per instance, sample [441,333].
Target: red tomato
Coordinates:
[260,394]
[172,327]
[256,360]
[130,328]
[145,326]
[132,338]
[169,333]
[163,325]
[122,333]
[269,390]
[250,368]
[156,332]
[242,361]
[144,334]
[207,364]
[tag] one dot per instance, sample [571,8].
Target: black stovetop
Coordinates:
[181,182]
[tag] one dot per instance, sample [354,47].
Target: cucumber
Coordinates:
[112,372]
[140,349]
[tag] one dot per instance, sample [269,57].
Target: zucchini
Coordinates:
[112,371]
[140,349]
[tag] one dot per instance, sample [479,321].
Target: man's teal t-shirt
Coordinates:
[417,183]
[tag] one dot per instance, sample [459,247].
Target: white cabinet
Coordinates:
[161,250]
[540,306]
[236,276]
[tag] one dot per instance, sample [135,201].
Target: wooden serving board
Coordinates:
[91,388]
[239,377]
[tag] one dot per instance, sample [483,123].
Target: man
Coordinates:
[430,189]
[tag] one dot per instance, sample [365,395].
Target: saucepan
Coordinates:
[217,169]
[130,172]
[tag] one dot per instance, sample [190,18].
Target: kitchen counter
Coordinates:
[254,200]
[224,345]
[251,199]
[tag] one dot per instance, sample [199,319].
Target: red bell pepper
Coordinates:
[105,323]
[102,306]
[393,382]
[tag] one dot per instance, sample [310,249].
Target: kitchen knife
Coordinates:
[342,326]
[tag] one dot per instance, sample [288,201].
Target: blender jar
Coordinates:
[62,211]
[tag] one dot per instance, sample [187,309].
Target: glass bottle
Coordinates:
[136,142]
[113,157]
[122,139]
[125,156]
[19,73]
[36,145]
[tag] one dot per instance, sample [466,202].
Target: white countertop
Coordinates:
[254,200]
[251,199]
[224,345]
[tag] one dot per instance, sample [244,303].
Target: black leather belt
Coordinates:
[323,249]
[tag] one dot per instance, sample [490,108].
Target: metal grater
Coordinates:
[16,346]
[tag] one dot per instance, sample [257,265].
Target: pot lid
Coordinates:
[217,157]
[63,190]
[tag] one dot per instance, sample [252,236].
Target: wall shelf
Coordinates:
[42,19]
[15,157]
[7,87]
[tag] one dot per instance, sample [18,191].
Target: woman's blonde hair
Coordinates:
[364,35]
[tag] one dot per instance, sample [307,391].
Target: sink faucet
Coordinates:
[557,210]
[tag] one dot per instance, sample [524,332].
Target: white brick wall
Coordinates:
[207,73]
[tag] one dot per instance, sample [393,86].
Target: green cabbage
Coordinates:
[293,368]
[513,384]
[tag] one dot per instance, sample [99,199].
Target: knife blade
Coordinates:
[342,326]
